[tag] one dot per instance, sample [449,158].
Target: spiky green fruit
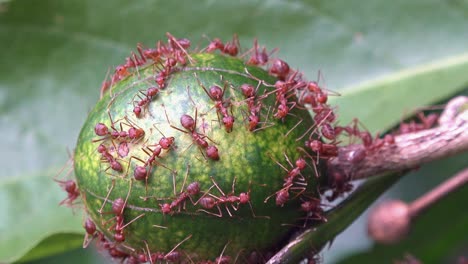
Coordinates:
[250,186]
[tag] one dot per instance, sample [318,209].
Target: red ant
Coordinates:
[90,228]
[190,124]
[313,207]
[323,114]
[210,201]
[426,123]
[216,44]
[232,48]
[354,130]
[249,93]
[323,149]
[283,108]
[133,133]
[140,172]
[72,191]
[282,88]
[280,69]
[340,184]
[282,196]
[180,46]
[114,164]
[118,207]
[162,76]
[192,189]
[258,57]
[170,257]
[121,72]
[216,94]
[150,93]
[103,131]
[328,131]
[320,95]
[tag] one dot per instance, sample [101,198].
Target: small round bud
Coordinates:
[389,222]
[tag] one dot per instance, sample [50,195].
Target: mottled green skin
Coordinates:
[244,155]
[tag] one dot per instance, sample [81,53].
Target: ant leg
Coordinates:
[178,244]
[107,197]
[148,252]
[217,187]
[220,214]
[294,127]
[277,162]
[133,220]
[126,198]
[257,216]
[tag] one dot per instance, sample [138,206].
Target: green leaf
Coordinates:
[380,100]
[438,233]
[89,255]
[55,55]
[32,214]
[54,244]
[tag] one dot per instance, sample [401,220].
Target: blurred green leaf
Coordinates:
[32,213]
[55,55]
[54,244]
[90,255]
[436,235]
[419,86]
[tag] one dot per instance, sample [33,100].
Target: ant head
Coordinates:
[279,68]
[165,208]
[166,143]
[70,186]
[300,163]
[121,70]
[313,87]
[135,133]
[152,91]
[119,237]
[216,92]
[244,198]
[137,111]
[248,90]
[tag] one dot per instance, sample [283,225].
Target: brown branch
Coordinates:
[412,149]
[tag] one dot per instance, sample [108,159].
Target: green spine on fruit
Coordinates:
[257,161]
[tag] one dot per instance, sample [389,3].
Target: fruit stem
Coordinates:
[410,150]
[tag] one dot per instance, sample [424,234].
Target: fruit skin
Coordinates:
[249,157]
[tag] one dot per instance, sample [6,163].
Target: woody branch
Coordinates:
[410,150]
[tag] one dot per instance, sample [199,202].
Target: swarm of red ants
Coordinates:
[319,144]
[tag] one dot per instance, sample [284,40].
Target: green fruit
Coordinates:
[255,163]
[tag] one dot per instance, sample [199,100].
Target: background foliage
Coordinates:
[386,58]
